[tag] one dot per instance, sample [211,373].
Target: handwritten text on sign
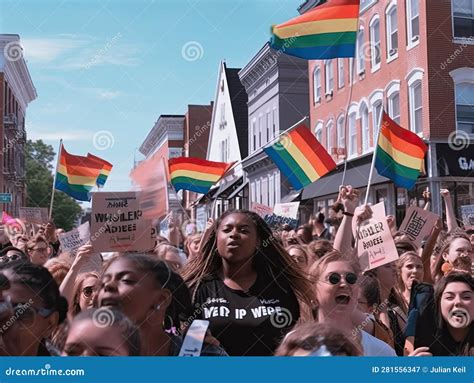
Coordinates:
[117,223]
[72,240]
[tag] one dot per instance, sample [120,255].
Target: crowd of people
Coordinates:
[261,292]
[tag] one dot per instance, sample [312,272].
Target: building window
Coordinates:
[260,131]
[341,133]
[275,123]
[394,107]
[252,192]
[269,127]
[375,55]
[277,187]
[413,22]
[271,190]
[224,150]
[329,137]
[392,31]
[329,75]
[463,18]
[258,192]
[364,120]
[352,135]
[318,132]
[416,107]
[376,114]
[360,52]
[465,107]
[340,72]
[254,134]
[317,84]
[265,191]
[364,4]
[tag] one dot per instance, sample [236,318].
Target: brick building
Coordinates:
[16,92]
[414,59]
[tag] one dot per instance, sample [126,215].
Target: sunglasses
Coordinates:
[25,314]
[335,278]
[88,291]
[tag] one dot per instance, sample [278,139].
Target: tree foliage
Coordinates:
[39,159]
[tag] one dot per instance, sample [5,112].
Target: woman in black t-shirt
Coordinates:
[246,285]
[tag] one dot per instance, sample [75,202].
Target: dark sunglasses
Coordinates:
[335,278]
[26,314]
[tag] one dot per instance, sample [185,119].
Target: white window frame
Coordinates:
[258,191]
[364,7]
[317,86]
[414,78]
[360,45]
[254,134]
[271,190]
[276,131]
[340,73]
[392,89]
[265,191]
[341,132]
[253,190]
[375,99]
[375,21]
[329,136]
[352,130]
[260,131]
[277,187]
[461,39]
[318,131]
[390,29]
[463,75]
[365,126]
[411,38]
[329,77]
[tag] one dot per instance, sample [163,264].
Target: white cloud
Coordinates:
[57,134]
[46,50]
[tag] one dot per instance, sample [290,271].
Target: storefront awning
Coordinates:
[356,175]
[291,197]
[238,190]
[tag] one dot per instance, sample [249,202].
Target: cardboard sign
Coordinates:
[378,211]
[36,215]
[74,239]
[289,209]
[151,177]
[418,224]
[261,210]
[467,216]
[375,245]
[118,224]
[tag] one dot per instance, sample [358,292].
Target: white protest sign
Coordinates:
[261,210]
[418,224]
[117,223]
[378,210]
[467,216]
[74,239]
[289,210]
[36,215]
[375,245]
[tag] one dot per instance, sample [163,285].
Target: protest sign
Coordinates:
[467,216]
[418,224]
[72,240]
[165,225]
[276,222]
[378,211]
[289,209]
[36,215]
[261,210]
[118,224]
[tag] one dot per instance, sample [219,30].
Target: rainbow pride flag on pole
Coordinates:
[325,32]
[195,174]
[300,157]
[104,173]
[76,175]
[400,154]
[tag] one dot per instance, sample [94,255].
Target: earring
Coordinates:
[157,307]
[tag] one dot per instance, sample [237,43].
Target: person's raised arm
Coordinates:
[450,216]
[349,198]
[67,286]
[428,251]
[427,199]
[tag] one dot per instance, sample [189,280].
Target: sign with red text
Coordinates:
[418,224]
[289,209]
[261,210]
[118,223]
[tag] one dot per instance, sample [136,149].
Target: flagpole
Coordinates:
[54,180]
[376,141]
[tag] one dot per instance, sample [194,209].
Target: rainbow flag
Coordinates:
[300,157]
[326,32]
[399,154]
[76,175]
[195,174]
[104,173]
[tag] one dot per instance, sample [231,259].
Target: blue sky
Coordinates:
[105,70]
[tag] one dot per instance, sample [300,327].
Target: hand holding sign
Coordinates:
[349,197]
[83,255]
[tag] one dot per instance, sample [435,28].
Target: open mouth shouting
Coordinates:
[343,298]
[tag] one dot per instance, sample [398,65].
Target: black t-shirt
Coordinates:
[252,322]
[445,345]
